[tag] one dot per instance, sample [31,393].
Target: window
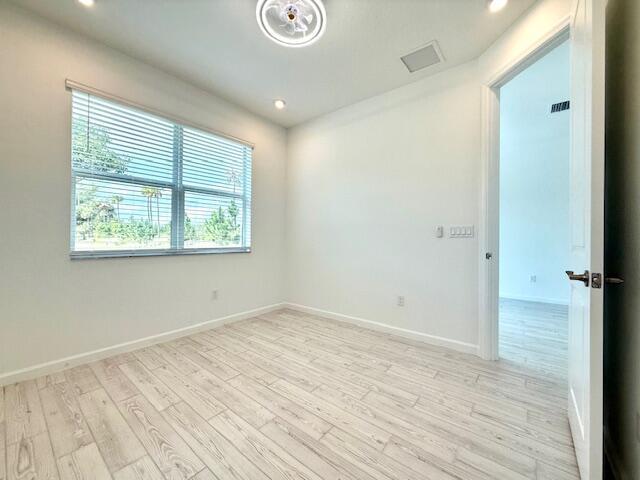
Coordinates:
[144,185]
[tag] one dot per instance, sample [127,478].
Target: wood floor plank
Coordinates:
[415,457]
[241,403]
[369,459]
[306,375]
[67,427]
[270,363]
[51,379]
[283,407]
[265,351]
[189,391]
[113,380]
[486,467]
[243,366]
[172,357]
[524,440]
[86,463]
[116,441]
[151,386]
[438,446]
[547,471]
[120,358]
[208,362]
[337,353]
[205,474]
[259,449]
[221,456]
[219,338]
[82,379]
[320,459]
[380,384]
[148,358]
[167,449]
[23,412]
[142,469]
[375,436]
[270,346]
[489,447]
[31,458]
[436,452]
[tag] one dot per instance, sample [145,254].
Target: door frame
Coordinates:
[489,241]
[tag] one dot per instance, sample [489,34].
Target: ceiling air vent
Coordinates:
[559,107]
[424,57]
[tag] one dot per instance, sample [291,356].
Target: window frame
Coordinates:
[177,187]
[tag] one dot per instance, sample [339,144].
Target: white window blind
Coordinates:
[146,185]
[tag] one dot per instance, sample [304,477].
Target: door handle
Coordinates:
[581,277]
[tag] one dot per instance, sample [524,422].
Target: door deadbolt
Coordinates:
[596,280]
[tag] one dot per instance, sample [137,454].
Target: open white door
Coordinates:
[587,234]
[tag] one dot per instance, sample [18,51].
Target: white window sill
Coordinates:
[83,255]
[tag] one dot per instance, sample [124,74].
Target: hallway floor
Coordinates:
[534,334]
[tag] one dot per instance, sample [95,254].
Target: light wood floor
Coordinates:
[535,334]
[288,396]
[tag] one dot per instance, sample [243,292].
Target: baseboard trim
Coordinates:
[92,356]
[617,468]
[381,327]
[527,298]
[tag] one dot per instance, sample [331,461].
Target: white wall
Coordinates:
[368,184]
[52,307]
[367,187]
[534,182]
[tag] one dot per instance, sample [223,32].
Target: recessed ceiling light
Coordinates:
[292,23]
[279,104]
[87,3]
[497,5]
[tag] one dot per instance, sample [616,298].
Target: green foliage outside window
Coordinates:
[98,217]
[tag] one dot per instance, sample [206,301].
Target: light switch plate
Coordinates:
[461,231]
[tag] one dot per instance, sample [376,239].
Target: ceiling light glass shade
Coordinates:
[292,23]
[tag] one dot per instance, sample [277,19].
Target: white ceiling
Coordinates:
[217,45]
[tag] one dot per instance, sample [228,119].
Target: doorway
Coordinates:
[534,236]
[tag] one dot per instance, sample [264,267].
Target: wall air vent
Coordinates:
[424,57]
[559,107]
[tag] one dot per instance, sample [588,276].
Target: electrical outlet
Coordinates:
[400,301]
[533,278]
[214,295]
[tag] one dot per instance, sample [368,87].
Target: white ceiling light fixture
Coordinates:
[292,23]
[497,5]
[87,3]
[279,104]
